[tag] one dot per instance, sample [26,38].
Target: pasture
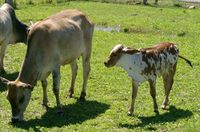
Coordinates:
[109,90]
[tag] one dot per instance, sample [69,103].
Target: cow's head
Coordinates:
[19,94]
[116,54]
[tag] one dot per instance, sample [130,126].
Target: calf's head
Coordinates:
[19,94]
[116,53]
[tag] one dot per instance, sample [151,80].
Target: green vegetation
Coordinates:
[109,90]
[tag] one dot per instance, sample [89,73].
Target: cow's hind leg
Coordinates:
[86,60]
[153,95]
[45,98]
[74,68]
[86,71]
[56,87]
[168,80]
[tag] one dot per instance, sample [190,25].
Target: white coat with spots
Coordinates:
[145,65]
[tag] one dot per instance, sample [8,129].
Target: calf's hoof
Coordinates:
[130,112]
[45,106]
[70,95]
[164,107]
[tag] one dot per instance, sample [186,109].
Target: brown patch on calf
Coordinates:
[148,56]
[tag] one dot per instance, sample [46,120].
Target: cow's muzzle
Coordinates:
[15,120]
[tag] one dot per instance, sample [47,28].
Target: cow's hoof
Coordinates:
[156,111]
[14,120]
[2,71]
[82,99]
[60,111]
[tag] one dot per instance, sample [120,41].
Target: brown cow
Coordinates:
[11,30]
[58,40]
[145,65]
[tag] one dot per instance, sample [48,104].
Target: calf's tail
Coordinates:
[188,61]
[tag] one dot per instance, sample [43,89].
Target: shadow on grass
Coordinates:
[10,76]
[75,113]
[173,115]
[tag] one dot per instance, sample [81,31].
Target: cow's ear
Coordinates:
[4,80]
[26,86]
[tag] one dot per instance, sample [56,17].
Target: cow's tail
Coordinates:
[188,61]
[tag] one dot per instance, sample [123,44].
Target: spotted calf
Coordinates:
[145,65]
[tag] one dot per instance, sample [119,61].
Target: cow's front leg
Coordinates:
[56,87]
[153,94]
[74,68]
[2,54]
[134,94]
[45,98]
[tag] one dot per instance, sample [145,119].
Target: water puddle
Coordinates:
[120,29]
[107,29]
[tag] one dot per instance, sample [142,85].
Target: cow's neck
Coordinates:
[21,31]
[124,61]
[28,73]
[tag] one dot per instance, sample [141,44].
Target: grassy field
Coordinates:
[109,90]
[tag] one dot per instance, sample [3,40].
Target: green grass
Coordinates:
[109,90]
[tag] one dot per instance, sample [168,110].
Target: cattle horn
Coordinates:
[4,80]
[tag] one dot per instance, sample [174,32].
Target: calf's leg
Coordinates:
[153,95]
[168,80]
[134,94]
[74,68]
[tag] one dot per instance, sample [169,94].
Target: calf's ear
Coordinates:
[4,80]
[129,50]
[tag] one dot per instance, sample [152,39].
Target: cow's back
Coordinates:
[74,15]
[54,41]
[6,26]
[80,18]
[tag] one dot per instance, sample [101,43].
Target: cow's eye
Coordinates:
[21,100]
